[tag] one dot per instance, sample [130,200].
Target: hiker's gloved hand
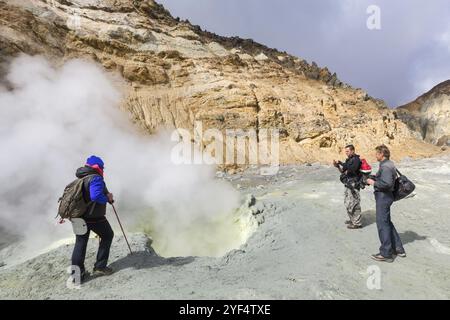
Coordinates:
[335,163]
[110,198]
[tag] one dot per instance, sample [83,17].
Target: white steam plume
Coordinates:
[54,118]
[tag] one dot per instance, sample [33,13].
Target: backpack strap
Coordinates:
[92,208]
[398,172]
[86,180]
[91,176]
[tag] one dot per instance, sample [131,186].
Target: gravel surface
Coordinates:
[301,249]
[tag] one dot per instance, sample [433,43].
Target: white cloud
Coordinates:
[55,118]
[444,39]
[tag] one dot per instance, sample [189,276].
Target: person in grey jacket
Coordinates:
[384,183]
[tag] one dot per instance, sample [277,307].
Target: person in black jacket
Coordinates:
[351,176]
[97,194]
[384,183]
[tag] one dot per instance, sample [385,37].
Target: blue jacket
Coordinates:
[97,188]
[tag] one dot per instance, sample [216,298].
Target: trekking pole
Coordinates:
[120,224]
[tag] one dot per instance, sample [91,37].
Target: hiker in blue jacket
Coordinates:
[95,192]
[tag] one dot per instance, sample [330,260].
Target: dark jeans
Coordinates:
[390,240]
[106,234]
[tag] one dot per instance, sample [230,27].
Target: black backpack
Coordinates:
[403,187]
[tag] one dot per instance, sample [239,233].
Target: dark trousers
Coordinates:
[106,234]
[390,240]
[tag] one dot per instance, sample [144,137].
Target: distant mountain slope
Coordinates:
[178,74]
[429,114]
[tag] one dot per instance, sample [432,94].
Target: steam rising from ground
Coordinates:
[54,118]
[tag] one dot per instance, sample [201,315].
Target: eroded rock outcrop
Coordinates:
[178,74]
[429,115]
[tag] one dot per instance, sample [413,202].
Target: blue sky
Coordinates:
[406,57]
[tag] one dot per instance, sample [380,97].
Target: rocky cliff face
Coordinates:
[178,74]
[429,115]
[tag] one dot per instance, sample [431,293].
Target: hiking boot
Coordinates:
[103,271]
[83,276]
[401,254]
[354,227]
[380,258]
